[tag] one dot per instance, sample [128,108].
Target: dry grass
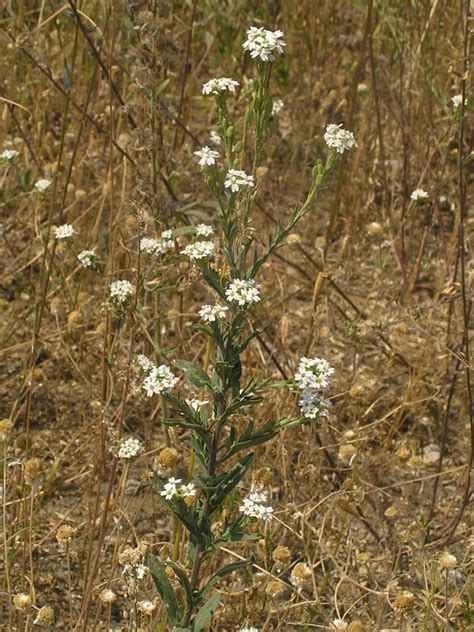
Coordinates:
[370,499]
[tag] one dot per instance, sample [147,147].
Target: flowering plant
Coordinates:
[221,451]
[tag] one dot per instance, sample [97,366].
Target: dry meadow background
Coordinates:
[104,99]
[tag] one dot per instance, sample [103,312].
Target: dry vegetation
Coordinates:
[104,99]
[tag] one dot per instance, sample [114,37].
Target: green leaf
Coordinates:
[194,374]
[226,570]
[227,482]
[204,615]
[164,587]
[184,581]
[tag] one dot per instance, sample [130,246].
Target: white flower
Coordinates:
[418,195]
[146,606]
[277,107]
[203,230]
[141,571]
[313,373]
[263,44]
[159,380]
[86,258]
[254,506]
[338,138]
[196,404]
[211,313]
[313,406]
[236,179]
[9,154]
[156,247]
[130,448]
[170,489]
[456,100]
[65,231]
[144,363]
[207,156]
[121,291]
[42,184]
[247,630]
[243,292]
[187,491]
[216,86]
[339,624]
[214,138]
[199,250]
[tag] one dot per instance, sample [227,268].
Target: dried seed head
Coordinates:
[166,459]
[32,470]
[357,390]
[300,574]
[6,428]
[281,555]
[404,601]
[293,238]
[403,453]
[130,556]
[107,596]
[262,477]
[447,560]
[45,616]
[22,601]
[131,223]
[83,298]
[356,626]
[347,453]
[65,533]
[374,228]
[390,512]
[275,588]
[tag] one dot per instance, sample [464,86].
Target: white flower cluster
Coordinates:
[263,44]
[159,380]
[199,250]
[173,488]
[65,231]
[129,448]
[9,154]
[207,156]
[196,404]
[340,625]
[248,630]
[144,363]
[236,179]
[338,138]
[418,195]
[255,506]
[216,86]
[277,107]
[313,406]
[243,292]
[86,258]
[157,247]
[313,373]
[211,313]
[456,100]
[121,291]
[204,230]
[42,184]
[139,571]
[214,138]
